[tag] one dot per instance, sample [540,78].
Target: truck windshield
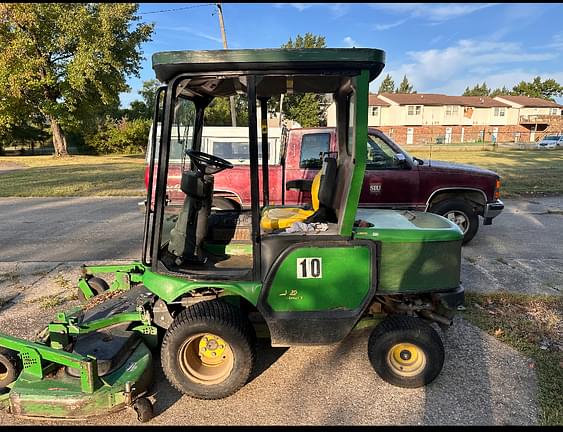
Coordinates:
[382,155]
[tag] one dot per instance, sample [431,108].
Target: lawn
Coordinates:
[42,176]
[533,325]
[523,172]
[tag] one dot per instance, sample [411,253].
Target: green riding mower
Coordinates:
[210,282]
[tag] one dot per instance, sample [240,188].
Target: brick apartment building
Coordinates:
[422,118]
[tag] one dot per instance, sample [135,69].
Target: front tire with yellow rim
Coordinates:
[406,352]
[208,352]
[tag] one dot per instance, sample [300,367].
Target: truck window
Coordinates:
[312,145]
[380,155]
[234,150]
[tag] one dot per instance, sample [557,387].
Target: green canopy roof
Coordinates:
[167,64]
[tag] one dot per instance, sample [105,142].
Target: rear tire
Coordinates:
[462,214]
[405,351]
[10,367]
[209,350]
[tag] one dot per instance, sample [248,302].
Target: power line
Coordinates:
[177,9]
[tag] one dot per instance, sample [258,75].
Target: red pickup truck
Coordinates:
[393,179]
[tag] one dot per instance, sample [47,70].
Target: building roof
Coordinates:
[526,101]
[375,101]
[440,99]
[481,102]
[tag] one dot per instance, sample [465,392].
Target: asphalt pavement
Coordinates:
[484,382]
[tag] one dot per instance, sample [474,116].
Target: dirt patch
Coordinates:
[7,166]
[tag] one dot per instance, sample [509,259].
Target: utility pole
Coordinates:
[231,98]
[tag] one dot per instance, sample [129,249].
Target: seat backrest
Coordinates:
[327,182]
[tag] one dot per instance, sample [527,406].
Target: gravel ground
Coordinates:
[333,385]
[484,382]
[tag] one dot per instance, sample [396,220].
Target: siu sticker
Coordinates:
[375,188]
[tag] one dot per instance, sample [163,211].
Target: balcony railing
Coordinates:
[539,119]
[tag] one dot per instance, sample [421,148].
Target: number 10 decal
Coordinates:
[309,268]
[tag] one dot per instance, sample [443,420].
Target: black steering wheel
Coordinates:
[206,163]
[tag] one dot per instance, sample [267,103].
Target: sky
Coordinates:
[440,47]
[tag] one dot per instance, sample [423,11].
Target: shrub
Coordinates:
[121,136]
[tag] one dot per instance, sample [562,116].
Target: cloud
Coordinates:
[299,6]
[381,27]
[350,43]
[438,12]
[194,32]
[337,10]
[467,63]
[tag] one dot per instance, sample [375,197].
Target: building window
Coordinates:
[500,112]
[413,109]
[374,110]
[451,110]
[554,111]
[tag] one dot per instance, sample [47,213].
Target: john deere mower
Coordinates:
[208,283]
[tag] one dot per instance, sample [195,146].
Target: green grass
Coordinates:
[522,172]
[76,176]
[533,325]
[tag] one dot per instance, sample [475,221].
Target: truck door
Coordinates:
[391,179]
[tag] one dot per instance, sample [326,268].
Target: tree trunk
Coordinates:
[59,140]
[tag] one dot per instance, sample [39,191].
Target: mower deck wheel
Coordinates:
[144,409]
[98,286]
[9,367]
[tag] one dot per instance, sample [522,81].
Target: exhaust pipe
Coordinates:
[435,317]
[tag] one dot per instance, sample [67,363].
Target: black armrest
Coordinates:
[303,185]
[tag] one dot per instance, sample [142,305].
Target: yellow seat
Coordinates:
[282,217]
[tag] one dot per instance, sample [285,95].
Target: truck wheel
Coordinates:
[405,351]
[10,367]
[462,214]
[209,350]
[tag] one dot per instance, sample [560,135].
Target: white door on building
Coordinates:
[448,139]
[462,135]
[494,135]
[410,135]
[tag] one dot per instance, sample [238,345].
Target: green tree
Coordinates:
[218,113]
[405,86]
[387,85]
[63,59]
[477,90]
[547,89]
[143,109]
[500,92]
[308,109]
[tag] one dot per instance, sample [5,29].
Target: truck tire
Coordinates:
[10,367]
[405,351]
[209,350]
[461,213]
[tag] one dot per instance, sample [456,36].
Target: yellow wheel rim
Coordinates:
[206,358]
[406,359]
